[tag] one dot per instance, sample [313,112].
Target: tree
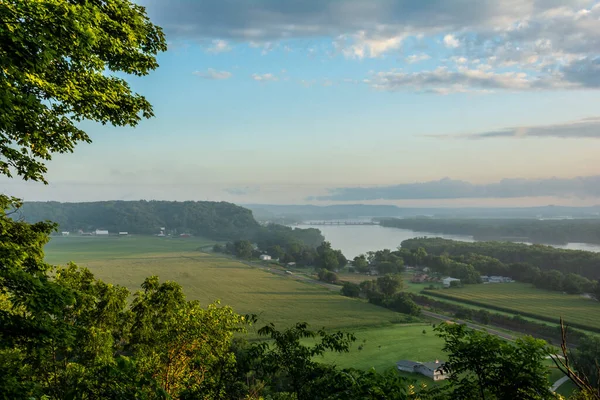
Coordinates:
[327,276]
[401,302]
[585,360]
[243,249]
[482,366]
[597,290]
[350,289]
[389,284]
[184,347]
[57,63]
[276,252]
[327,257]
[360,263]
[576,284]
[551,280]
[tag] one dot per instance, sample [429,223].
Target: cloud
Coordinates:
[219,46]
[545,38]
[451,42]
[447,188]
[444,81]
[588,128]
[213,74]
[415,58]
[361,45]
[268,77]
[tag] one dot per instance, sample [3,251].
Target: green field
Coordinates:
[206,277]
[524,298]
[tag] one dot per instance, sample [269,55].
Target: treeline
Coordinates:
[385,291]
[213,220]
[526,230]
[545,258]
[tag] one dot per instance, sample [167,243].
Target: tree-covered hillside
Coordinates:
[202,218]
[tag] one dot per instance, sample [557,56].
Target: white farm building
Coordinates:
[265,257]
[101,232]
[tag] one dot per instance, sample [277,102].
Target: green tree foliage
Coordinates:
[58,59]
[387,262]
[350,289]
[326,275]
[482,366]
[389,284]
[327,258]
[214,220]
[586,360]
[584,263]
[360,263]
[402,302]
[551,280]
[243,249]
[185,348]
[524,272]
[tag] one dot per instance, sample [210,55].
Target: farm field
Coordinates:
[206,277]
[523,298]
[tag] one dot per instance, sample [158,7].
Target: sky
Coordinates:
[409,102]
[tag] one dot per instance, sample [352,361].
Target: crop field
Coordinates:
[205,277]
[524,299]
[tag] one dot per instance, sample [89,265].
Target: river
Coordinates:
[358,239]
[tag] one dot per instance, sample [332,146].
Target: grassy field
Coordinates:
[523,298]
[206,277]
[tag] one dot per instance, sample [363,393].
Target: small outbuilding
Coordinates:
[265,257]
[101,232]
[448,281]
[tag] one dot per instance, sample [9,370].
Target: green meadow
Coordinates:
[524,298]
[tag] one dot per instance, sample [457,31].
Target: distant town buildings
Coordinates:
[65,233]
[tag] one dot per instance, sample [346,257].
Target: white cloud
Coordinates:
[451,42]
[361,45]
[213,74]
[268,77]
[219,46]
[415,58]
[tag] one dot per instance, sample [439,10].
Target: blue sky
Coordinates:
[276,102]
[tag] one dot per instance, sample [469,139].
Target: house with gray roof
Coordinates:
[433,370]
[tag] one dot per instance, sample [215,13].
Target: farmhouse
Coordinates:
[448,281]
[432,370]
[265,257]
[101,232]
[420,278]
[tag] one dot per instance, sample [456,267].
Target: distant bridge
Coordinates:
[317,223]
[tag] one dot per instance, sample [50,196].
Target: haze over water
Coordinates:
[358,239]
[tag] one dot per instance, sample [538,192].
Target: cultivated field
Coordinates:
[525,299]
[206,277]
